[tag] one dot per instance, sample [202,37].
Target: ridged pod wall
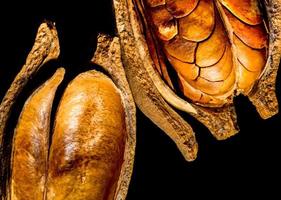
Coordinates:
[168,56]
[89,152]
[196,56]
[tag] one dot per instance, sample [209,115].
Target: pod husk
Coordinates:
[263,96]
[157,101]
[108,56]
[46,47]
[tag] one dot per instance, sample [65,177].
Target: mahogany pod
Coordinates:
[210,50]
[90,152]
[92,147]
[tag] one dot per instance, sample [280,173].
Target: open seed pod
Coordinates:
[196,56]
[89,153]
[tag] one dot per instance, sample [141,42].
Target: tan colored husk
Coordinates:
[108,56]
[151,94]
[146,95]
[263,96]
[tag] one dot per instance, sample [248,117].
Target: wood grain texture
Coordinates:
[31,142]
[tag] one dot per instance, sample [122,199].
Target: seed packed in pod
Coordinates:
[88,153]
[196,56]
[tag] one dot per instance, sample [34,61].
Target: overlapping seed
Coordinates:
[214,46]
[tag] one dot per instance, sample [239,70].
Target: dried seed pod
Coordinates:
[102,118]
[31,142]
[45,48]
[92,148]
[197,56]
[108,56]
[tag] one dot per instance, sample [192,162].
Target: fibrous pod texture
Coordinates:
[196,56]
[88,153]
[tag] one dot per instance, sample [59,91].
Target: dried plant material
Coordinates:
[247,10]
[45,48]
[181,8]
[195,56]
[198,25]
[165,24]
[88,141]
[263,96]
[204,42]
[93,141]
[31,142]
[147,92]
[108,56]
[220,49]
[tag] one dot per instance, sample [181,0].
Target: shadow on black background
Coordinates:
[247,164]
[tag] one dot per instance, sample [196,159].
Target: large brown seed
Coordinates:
[46,47]
[164,23]
[181,8]
[246,10]
[210,51]
[149,90]
[31,142]
[254,36]
[88,140]
[252,59]
[181,49]
[199,24]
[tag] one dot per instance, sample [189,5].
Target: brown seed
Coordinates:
[104,163]
[181,8]
[181,49]
[246,10]
[253,59]
[254,36]
[222,82]
[199,25]
[210,51]
[88,142]
[45,48]
[31,142]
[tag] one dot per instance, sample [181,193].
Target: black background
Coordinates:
[246,164]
